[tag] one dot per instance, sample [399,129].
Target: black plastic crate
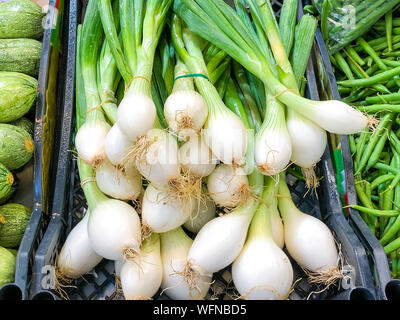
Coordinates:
[385,286]
[36,178]
[70,205]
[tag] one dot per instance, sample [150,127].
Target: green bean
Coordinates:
[344,90]
[386,167]
[354,55]
[371,52]
[371,177]
[381,179]
[366,201]
[385,122]
[391,232]
[352,143]
[360,73]
[391,54]
[377,151]
[389,26]
[360,145]
[379,107]
[394,141]
[383,76]
[389,192]
[374,197]
[375,212]
[383,98]
[391,63]
[343,65]
[394,245]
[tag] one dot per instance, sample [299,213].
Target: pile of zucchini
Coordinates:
[20,50]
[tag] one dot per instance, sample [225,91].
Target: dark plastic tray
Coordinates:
[385,286]
[36,178]
[70,205]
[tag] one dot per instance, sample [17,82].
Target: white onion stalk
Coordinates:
[90,141]
[308,240]
[117,146]
[223,132]
[157,157]
[273,147]
[175,246]
[185,109]
[220,241]
[196,157]
[262,271]
[228,186]
[119,184]
[141,278]
[334,116]
[308,144]
[113,228]
[275,219]
[162,212]
[205,213]
[77,257]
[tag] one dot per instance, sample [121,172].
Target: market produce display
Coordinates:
[188,115]
[367,71]
[21,31]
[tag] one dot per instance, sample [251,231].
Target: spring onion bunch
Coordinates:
[231,31]
[141,23]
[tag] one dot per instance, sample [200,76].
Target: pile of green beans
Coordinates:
[368,74]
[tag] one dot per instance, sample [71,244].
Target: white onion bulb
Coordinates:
[185,111]
[141,278]
[206,212]
[90,141]
[175,246]
[162,212]
[117,146]
[77,257]
[114,229]
[308,240]
[120,184]
[228,186]
[220,241]
[159,161]
[196,157]
[136,115]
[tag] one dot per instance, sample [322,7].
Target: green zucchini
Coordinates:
[7,266]
[13,251]
[25,124]
[21,19]
[16,219]
[20,55]
[7,184]
[18,92]
[16,146]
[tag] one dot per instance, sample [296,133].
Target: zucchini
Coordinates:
[21,19]
[20,55]
[13,251]
[7,184]
[16,219]
[18,92]
[16,146]
[25,124]
[7,266]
